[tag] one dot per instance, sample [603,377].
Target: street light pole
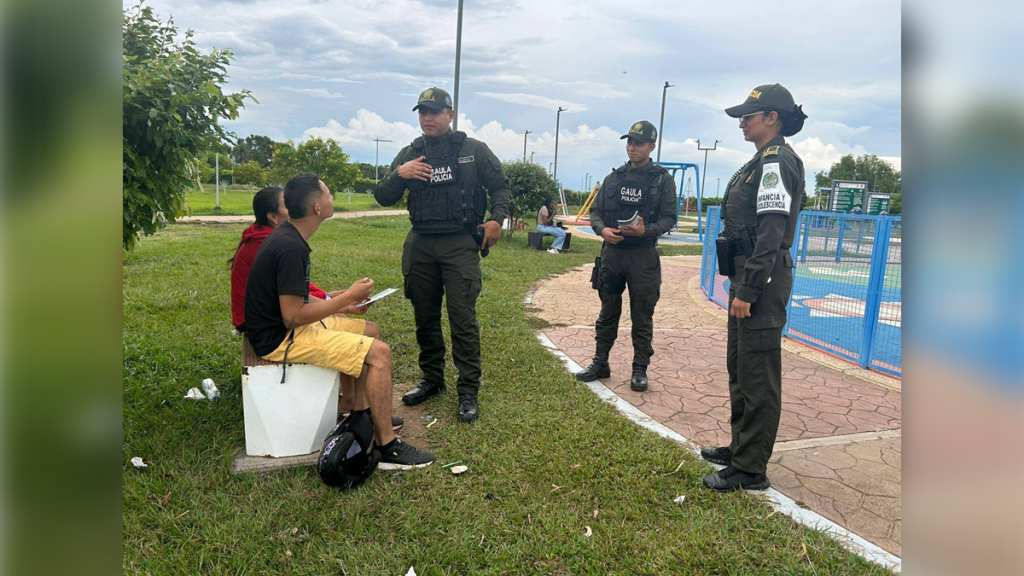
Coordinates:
[531,156]
[549,167]
[558,123]
[661,123]
[525,134]
[704,180]
[458,62]
[216,181]
[376,159]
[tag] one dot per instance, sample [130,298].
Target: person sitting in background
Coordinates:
[270,212]
[285,324]
[545,221]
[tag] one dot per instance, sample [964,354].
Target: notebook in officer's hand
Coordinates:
[631,221]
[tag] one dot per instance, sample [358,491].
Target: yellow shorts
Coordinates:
[341,346]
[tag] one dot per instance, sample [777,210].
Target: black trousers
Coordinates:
[435,265]
[754,361]
[640,270]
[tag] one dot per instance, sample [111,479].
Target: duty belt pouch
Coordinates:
[595,274]
[726,265]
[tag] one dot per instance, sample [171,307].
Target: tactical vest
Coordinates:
[452,200]
[627,193]
[739,204]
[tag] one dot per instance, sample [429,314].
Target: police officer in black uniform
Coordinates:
[446,174]
[760,212]
[644,190]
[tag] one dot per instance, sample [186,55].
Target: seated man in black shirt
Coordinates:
[286,324]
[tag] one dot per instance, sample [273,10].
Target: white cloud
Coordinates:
[535,100]
[593,89]
[315,92]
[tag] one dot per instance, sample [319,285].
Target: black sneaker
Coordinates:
[721,455]
[404,456]
[638,383]
[421,392]
[729,478]
[468,409]
[596,370]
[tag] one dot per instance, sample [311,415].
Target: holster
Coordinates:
[478,237]
[595,274]
[726,264]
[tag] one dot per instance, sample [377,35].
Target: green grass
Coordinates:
[239,202]
[185,514]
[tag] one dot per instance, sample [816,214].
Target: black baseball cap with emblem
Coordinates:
[772,97]
[642,131]
[434,99]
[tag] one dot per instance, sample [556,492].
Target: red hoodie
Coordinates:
[251,239]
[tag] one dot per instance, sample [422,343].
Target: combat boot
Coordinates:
[638,383]
[598,368]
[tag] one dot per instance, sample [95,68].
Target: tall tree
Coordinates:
[531,186]
[259,149]
[171,101]
[868,168]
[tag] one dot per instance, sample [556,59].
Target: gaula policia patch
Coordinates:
[772,196]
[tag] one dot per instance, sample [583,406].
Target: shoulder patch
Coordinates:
[771,151]
[772,196]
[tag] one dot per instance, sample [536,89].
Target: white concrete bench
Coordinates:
[288,419]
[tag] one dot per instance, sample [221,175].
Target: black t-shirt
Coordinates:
[281,267]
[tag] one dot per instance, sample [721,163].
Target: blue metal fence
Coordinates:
[847,289]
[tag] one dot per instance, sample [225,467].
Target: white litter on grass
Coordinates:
[194,394]
[138,463]
[459,469]
[587,532]
[680,499]
[411,572]
[210,389]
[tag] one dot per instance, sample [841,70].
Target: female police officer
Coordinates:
[760,209]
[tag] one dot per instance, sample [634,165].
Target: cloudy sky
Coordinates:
[351,70]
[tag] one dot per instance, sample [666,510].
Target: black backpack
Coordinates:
[348,456]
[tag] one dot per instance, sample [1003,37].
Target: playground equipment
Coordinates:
[585,209]
[674,167]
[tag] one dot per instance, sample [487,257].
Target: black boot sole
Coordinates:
[420,400]
[636,388]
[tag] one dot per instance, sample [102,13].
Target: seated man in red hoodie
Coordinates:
[270,212]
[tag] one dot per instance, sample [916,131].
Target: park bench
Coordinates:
[290,418]
[536,240]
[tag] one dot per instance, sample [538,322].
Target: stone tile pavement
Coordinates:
[838,447]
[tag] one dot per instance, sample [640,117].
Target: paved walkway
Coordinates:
[236,219]
[838,448]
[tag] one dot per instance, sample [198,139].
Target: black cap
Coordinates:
[433,98]
[772,97]
[642,131]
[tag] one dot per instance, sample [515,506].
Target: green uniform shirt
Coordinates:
[666,208]
[489,173]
